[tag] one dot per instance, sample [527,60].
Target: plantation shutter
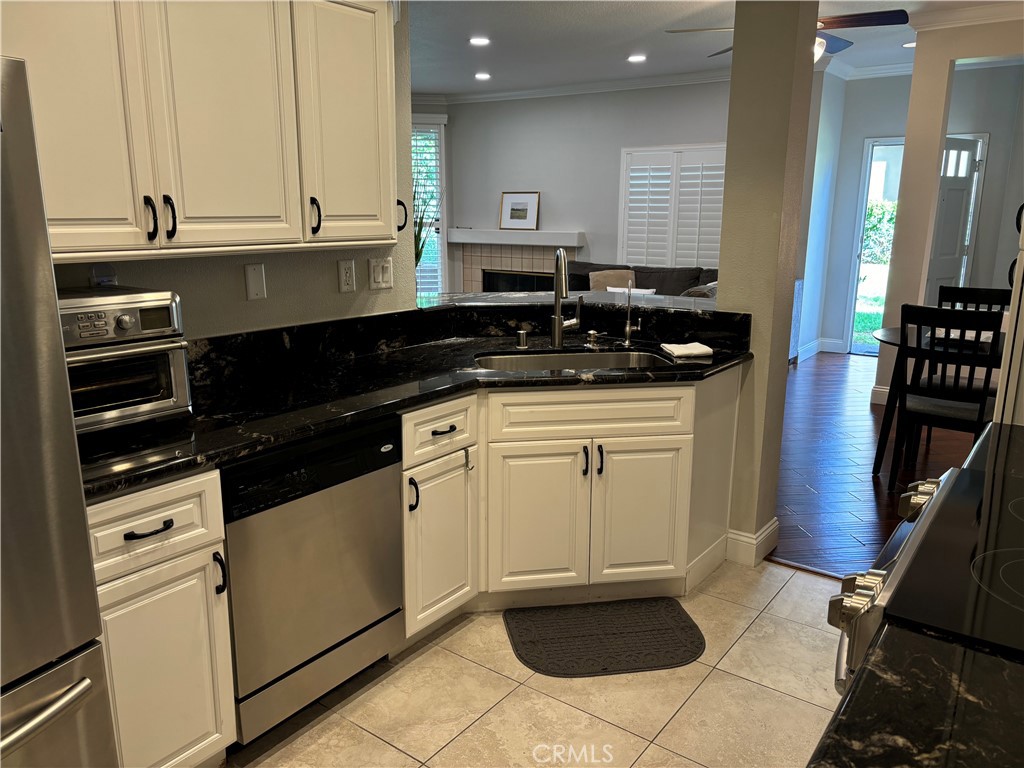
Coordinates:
[648,210]
[427,174]
[701,182]
[672,212]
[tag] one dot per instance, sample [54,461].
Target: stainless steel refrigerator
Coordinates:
[54,703]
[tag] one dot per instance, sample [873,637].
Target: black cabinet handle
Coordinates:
[439,432]
[415,486]
[315,229]
[586,461]
[151,204]
[169,202]
[406,219]
[133,536]
[221,588]
[600,459]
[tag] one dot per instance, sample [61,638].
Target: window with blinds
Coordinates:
[672,206]
[428,199]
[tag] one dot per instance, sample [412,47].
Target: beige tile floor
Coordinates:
[760,695]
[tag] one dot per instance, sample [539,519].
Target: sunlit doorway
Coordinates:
[882,167]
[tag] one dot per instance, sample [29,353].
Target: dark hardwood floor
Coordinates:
[834,516]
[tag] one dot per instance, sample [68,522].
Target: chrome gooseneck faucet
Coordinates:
[629,307]
[558,325]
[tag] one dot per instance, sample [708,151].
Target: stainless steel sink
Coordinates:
[557,361]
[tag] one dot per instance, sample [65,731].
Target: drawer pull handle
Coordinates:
[169,202]
[586,461]
[415,486]
[221,588]
[315,228]
[440,432]
[133,536]
[600,459]
[151,205]
[37,723]
[405,220]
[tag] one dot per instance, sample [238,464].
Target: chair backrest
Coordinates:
[949,354]
[985,299]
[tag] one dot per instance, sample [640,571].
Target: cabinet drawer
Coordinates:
[585,413]
[159,523]
[432,432]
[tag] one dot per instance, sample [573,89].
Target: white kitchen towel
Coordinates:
[693,349]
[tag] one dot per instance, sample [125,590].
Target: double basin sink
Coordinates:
[560,361]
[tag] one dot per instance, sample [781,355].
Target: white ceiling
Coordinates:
[538,44]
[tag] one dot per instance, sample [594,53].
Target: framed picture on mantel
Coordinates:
[519,210]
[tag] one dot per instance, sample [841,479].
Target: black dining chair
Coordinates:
[944,370]
[985,299]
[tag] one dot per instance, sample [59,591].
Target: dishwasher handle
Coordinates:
[415,486]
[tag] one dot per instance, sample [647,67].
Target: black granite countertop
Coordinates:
[922,701]
[264,389]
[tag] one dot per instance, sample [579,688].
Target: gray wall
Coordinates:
[569,149]
[983,101]
[301,287]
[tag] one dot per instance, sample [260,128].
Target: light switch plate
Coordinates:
[346,276]
[381,274]
[255,282]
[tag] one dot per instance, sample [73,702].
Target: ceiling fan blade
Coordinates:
[701,29]
[871,19]
[833,44]
[719,53]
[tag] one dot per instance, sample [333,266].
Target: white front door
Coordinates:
[953,216]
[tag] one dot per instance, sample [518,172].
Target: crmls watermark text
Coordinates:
[572,754]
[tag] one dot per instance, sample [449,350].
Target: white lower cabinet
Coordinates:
[166,640]
[566,512]
[440,535]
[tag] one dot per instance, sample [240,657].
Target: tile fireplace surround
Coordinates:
[476,257]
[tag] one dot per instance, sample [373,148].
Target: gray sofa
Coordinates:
[667,281]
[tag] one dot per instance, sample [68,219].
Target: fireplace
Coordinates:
[505,281]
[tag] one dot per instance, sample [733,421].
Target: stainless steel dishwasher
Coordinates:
[314,545]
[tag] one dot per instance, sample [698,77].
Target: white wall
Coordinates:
[983,101]
[569,149]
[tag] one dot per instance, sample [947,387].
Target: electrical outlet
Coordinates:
[381,275]
[255,282]
[346,276]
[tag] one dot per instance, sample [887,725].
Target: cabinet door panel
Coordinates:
[640,506]
[223,110]
[440,538]
[85,77]
[166,641]
[345,86]
[539,514]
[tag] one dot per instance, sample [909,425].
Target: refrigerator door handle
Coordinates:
[17,737]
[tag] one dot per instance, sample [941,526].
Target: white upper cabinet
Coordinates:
[85,71]
[345,85]
[222,101]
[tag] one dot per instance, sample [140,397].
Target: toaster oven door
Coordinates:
[129,383]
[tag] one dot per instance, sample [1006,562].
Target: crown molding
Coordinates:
[429,98]
[881,70]
[663,81]
[962,16]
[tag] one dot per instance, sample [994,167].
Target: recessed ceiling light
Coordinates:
[911,44]
[637,58]
[479,41]
[482,76]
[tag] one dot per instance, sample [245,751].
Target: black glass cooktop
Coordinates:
[967,577]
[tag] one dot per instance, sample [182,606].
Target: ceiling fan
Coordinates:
[832,43]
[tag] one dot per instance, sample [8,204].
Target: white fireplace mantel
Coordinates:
[518,237]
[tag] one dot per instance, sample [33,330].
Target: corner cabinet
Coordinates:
[440,505]
[174,125]
[600,493]
[346,95]
[159,557]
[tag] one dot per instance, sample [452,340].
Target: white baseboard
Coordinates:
[833,345]
[751,549]
[705,563]
[808,350]
[879,395]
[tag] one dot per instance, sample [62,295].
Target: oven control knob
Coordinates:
[125,322]
[844,608]
[919,492]
[870,581]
